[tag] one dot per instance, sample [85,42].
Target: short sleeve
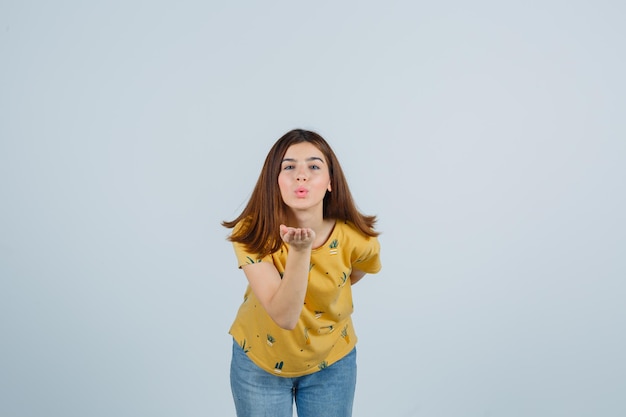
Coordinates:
[366,256]
[246,258]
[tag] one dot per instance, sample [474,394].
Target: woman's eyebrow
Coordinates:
[312,158]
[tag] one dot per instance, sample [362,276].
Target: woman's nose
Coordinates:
[301,175]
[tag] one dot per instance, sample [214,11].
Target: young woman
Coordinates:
[302,244]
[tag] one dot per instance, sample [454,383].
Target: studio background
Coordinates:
[489,138]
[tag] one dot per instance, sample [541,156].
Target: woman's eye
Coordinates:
[314,167]
[287,167]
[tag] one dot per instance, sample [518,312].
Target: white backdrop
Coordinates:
[489,138]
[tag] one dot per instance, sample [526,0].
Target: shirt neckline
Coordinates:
[329,239]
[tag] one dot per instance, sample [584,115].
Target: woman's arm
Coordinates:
[356,276]
[283,299]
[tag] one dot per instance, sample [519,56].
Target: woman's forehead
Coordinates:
[303,150]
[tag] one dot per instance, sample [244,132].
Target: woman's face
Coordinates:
[304,177]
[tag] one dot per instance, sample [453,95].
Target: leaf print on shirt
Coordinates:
[318,314]
[252,261]
[326,329]
[278,368]
[243,346]
[333,247]
[270,340]
[323,365]
[343,280]
[307,339]
[345,335]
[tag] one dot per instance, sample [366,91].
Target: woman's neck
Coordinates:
[321,226]
[306,219]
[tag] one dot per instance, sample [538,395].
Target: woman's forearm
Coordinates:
[286,304]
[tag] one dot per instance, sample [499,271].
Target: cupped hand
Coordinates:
[297,238]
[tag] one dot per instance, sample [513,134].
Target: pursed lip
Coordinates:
[301,191]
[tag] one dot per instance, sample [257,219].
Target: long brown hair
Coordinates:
[266,210]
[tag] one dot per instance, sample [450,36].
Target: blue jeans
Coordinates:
[325,393]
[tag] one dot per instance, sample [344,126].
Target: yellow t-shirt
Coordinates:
[324,333]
